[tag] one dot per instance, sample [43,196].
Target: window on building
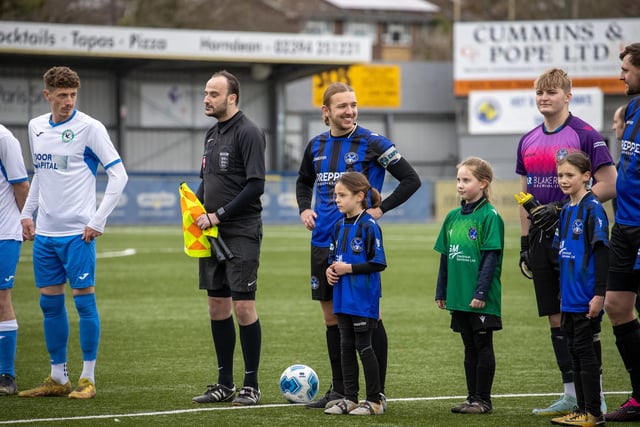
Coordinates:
[318,27]
[396,34]
[361,29]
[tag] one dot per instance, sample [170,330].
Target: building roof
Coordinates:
[386,5]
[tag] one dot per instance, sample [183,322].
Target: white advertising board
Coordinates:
[498,54]
[515,111]
[87,40]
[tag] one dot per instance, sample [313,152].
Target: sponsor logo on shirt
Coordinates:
[327,178]
[629,147]
[50,161]
[565,253]
[458,255]
[543,181]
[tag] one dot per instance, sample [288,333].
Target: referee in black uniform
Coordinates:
[233,176]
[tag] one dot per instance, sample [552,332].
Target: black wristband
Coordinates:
[524,243]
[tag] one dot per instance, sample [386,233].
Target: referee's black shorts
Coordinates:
[236,277]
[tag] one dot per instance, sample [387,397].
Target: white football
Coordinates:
[299,384]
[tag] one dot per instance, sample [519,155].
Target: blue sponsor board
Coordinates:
[154,200]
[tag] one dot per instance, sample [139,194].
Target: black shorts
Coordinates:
[357,324]
[320,288]
[238,275]
[579,326]
[472,321]
[543,261]
[624,247]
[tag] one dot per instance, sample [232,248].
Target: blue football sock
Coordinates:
[8,341]
[89,325]
[56,327]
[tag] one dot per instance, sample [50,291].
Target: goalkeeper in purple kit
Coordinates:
[538,150]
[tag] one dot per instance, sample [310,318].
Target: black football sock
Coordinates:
[224,340]
[251,341]
[486,367]
[628,343]
[380,347]
[563,358]
[333,346]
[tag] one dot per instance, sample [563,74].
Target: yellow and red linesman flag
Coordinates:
[196,243]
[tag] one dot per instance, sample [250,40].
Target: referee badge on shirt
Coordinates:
[223,161]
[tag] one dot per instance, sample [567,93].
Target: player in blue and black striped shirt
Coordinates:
[582,240]
[345,147]
[624,259]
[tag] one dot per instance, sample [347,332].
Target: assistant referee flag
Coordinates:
[196,243]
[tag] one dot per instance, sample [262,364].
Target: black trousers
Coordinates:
[583,340]
[355,335]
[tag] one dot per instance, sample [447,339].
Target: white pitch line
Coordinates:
[122,253]
[117,254]
[275,405]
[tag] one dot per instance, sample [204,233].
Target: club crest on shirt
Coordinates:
[68,135]
[357,245]
[577,227]
[472,233]
[350,158]
[561,154]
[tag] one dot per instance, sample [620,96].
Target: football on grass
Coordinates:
[299,384]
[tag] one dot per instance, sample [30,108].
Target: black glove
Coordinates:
[524,257]
[546,217]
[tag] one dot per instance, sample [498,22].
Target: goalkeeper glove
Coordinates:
[546,217]
[524,257]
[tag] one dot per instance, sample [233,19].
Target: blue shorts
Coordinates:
[58,259]
[10,250]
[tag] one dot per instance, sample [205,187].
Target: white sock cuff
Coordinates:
[9,325]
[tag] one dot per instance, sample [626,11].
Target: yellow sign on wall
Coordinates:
[376,86]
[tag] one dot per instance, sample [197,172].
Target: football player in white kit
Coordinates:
[14,187]
[67,146]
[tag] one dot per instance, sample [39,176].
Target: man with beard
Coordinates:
[345,147]
[624,257]
[233,176]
